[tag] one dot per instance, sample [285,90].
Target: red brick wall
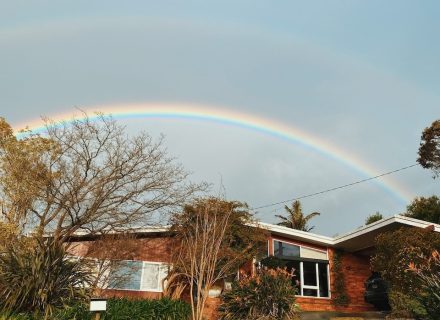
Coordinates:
[356,270]
[152,249]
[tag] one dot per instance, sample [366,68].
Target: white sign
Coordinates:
[98,305]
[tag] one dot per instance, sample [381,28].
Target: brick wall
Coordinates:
[152,249]
[355,268]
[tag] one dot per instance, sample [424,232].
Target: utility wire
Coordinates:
[335,188]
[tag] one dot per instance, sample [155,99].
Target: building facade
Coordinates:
[311,256]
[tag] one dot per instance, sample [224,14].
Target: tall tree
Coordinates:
[429,150]
[87,175]
[295,218]
[427,209]
[214,237]
[373,218]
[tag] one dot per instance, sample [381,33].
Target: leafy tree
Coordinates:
[86,175]
[213,238]
[295,218]
[427,209]
[373,218]
[429,150]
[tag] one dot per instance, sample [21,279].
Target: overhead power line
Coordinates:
[334,188]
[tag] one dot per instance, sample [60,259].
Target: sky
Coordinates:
[292,97]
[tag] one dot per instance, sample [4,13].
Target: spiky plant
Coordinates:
[295,218]
[41,279]
[267,295]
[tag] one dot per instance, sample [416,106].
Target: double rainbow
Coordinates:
[224,116]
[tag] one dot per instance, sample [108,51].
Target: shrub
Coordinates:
[40,280]
[395,252]
[268,295]
[126,309]
[405,305]
[429,275]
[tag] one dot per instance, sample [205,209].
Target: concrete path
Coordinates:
[343,316]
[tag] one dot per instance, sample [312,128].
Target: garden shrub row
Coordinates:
[122,309]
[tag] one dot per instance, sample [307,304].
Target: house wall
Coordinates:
[151,249]
[356,270]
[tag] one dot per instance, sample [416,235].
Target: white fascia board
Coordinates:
[385,222]
[151,229]
[297,233]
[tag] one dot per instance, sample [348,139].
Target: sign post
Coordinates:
[98,305]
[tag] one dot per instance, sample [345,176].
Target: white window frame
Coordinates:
[301,269]
[159,279]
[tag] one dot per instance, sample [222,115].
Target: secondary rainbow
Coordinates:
[226,116]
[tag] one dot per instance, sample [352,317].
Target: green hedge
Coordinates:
[123,309]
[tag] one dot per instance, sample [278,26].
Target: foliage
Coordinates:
[295,217]
[119,309]
[126,309]
[429,150]
[405,305]
[339,294]
[397,249]
[213,237]
[428,273]
[373,218]
[40,279]
[86,174]
[272,262]
[427,209]
[10,234]
[267,295]
[395,252]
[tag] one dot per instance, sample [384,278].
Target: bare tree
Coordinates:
[87,175]
[213,239]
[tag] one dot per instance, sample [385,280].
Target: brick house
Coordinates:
[311,255]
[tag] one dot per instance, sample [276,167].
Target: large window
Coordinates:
[138,276]
[310,267]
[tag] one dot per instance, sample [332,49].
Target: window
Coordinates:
[126,275]
[138,276]
[285,251]
[310,268]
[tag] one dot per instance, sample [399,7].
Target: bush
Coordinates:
[126,309]
[395,252]
[405,306]
[41,279]
[268,295]
[429,275]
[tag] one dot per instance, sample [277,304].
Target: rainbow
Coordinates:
[224,116]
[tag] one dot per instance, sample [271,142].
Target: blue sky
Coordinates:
[360,74]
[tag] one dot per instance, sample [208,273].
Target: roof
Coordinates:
[356,240]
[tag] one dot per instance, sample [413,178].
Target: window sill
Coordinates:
[135,290]
[311,297]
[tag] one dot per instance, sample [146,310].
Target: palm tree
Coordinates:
[295,218]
